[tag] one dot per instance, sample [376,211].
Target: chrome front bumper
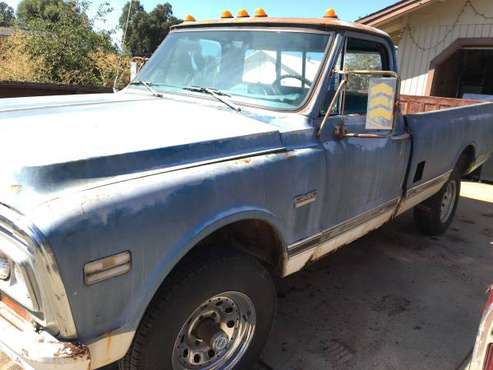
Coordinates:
[39,351]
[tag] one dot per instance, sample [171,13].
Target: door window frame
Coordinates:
[390,57]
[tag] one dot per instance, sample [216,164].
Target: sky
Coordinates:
[202,9]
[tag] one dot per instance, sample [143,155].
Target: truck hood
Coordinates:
[55,144]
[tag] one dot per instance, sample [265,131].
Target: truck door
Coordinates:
[365,175]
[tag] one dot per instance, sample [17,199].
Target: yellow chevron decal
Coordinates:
[380,100]
[382,88]
[377,113]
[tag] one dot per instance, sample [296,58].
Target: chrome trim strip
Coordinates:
[333,232]
[414,191]
[421,192]
[315,246]
[53,300]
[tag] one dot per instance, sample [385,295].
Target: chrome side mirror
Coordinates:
[382,102]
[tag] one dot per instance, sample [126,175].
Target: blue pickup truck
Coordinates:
[145,226]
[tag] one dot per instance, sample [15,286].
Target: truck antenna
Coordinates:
[124,36]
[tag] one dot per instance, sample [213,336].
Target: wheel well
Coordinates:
[466,159]
[255,237]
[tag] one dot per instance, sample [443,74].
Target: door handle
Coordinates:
[403,136]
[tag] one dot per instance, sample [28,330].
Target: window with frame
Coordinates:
[359,54]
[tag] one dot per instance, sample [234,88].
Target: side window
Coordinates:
[361,55]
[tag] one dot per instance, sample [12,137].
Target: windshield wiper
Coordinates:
[148,86]
[216,94]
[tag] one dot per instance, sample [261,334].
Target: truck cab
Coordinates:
[144,227]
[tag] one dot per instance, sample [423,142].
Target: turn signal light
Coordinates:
[243,13]
[15,307]
[330,13]
[259,12]
[190,18]
[107,267]
[226,14]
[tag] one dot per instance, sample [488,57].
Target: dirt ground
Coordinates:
[395,299]
[392,300]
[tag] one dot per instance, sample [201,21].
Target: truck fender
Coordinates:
[140,301]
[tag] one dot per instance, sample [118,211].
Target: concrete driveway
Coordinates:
[392,300]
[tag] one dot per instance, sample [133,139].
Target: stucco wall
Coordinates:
[431,30]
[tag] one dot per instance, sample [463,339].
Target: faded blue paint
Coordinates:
[440,137]
[102,174]
[362,173]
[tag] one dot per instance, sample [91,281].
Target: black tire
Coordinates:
[198,278]
[427,215]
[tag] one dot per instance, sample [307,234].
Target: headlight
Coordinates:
[29,274]
[15,273]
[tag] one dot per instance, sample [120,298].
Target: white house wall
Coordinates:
[429,27]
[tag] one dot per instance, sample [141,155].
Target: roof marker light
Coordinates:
[243,13]
[260,12]
[330,13]
[226,14]
[189,18]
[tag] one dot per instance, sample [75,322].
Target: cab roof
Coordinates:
[325,24]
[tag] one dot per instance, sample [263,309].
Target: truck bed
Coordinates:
[418,104]
[442,129]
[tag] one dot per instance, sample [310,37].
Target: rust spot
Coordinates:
[243,161]
[73,350]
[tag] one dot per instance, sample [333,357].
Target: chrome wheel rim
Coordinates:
[217,334]
[448,201]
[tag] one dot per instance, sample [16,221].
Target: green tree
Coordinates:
[47,10]
[145,30]
[61,37]
[7,17]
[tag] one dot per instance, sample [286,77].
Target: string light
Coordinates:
[468,3]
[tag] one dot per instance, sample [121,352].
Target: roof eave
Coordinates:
[393,12]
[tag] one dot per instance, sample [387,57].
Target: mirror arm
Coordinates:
[369,72]
[332,103]
[340,131]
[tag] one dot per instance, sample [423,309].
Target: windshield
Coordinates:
[272,69]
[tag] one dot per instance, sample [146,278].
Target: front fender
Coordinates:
[160,218]
[136,309]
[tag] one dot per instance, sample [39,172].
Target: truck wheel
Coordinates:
[434,215]
[215,312]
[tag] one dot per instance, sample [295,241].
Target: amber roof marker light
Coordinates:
[189,18]
[242,13]
[226,14]
[330,13]
[260,12]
